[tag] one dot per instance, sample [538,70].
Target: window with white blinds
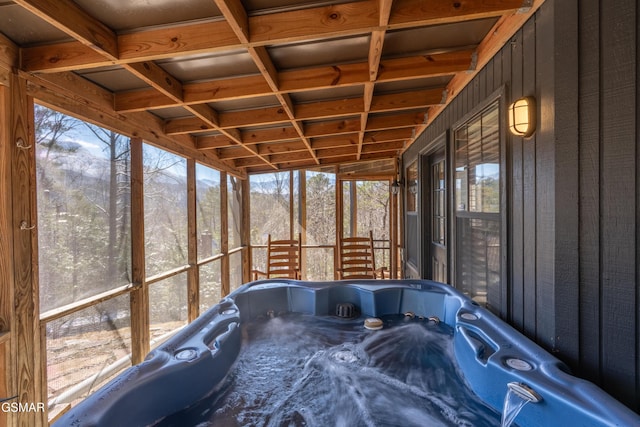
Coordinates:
[478,163]
[477,206]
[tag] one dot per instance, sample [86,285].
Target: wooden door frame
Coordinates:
[439,144]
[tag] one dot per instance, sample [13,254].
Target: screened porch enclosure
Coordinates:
[181,138]
[322,206]
[197,232]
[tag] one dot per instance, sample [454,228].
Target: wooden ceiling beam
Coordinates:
[186,125]
[282,147]
[141,100]
[60,57]
[324,77]
[252,161]
[431,65]
[209,116]
[338,160]
[380,155]
[9,56]
[333,127]
[337,152]
[226,89]
[157,78]
[61,91]
[268,70]
[369,88]
[308,24]
[350,140]
[333,161]
[292,157]
[346,119]
[322,109]
[75,22]
[236,152]
[383,146]
[161,43]
[210,142]
[313,110]
[388,135]
[412,13]
[377,39]
[345,19]
[160,80]
[66,16]
[257,169]
[276,134]
[236,16]
[392,121]
[260,116]
[408,100]
[133,47]
[229,120]
[427,65]
[375,55]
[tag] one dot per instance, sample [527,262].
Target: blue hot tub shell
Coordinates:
[490,353]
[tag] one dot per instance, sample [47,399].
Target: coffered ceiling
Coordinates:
[266,85]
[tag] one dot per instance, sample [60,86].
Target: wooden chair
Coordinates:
[283,259]
[357,259]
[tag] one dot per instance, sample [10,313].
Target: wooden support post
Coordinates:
[193,285]
[245,231]
[339,224]
[26,348]
[140,296]
[302,220]
[7,384]
[393,244]
[353,209]
[401,217]
[292,217]
[6,388]
[225,269]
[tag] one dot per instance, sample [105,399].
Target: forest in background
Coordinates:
[83,177]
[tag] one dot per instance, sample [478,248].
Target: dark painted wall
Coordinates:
[573,217]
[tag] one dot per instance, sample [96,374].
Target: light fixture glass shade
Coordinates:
[395,187]
[413,188]
[522,117]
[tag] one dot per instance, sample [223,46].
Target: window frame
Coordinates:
[497,299]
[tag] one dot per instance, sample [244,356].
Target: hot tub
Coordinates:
[383,371]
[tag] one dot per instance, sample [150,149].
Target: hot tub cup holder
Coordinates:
[518,364]
[468,316]
[373,324]
[186,354]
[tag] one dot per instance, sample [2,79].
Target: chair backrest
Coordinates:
[283,258]
[356,257]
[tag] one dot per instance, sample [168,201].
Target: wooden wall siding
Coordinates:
[609,86]
[574,187]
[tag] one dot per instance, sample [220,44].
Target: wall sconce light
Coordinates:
[395,187]
[522,117]
[413,187]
